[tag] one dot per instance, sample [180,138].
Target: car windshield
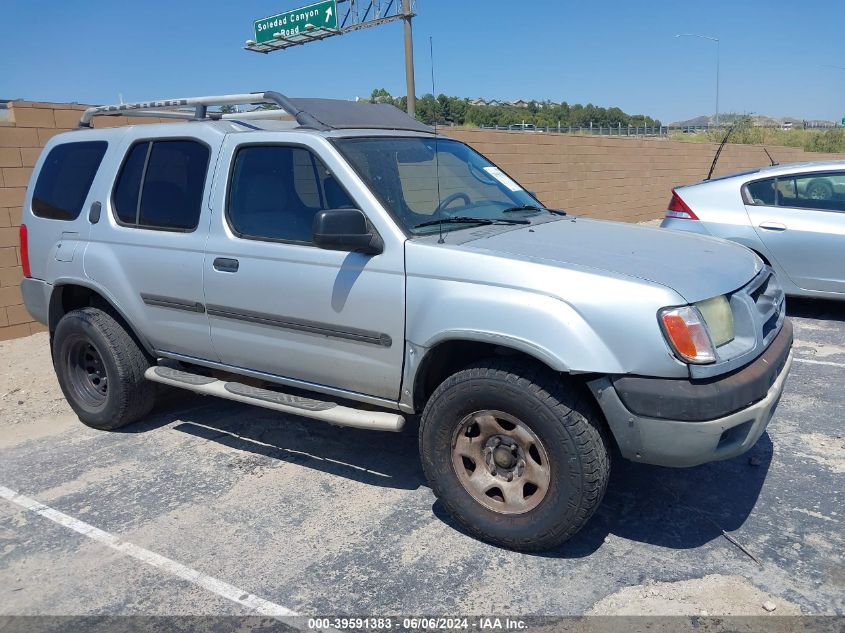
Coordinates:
[421,180]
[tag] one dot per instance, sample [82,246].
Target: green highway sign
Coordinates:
[290,24]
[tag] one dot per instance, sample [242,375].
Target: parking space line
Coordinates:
[214,585]
[827,363]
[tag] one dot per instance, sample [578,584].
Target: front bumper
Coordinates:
[682,443]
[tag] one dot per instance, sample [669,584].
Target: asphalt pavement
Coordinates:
[295,514]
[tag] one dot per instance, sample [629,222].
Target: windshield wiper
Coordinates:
[533,207]
[462,219]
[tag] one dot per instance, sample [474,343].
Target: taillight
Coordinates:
[24,251]
[678,208]
[687,334]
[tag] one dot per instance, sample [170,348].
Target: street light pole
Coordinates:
[409,58]
[712,39]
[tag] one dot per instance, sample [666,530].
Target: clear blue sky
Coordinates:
[608,53]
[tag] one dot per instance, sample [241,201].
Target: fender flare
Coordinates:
[55,308]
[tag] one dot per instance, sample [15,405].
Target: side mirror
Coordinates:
[345,230]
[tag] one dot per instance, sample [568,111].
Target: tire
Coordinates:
[471,411]
[101,369]
[820,189]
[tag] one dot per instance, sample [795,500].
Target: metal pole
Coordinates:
[409,58]
[717,83]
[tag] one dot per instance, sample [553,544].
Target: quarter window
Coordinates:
[276,190]
[65,179]
[160,185]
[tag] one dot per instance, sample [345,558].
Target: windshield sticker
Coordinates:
[503,178]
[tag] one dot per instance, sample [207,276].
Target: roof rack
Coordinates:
[176,109]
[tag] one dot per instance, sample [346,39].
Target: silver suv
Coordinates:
[350,266]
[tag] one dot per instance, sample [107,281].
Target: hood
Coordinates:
[695,266]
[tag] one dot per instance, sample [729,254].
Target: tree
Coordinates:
[458,111]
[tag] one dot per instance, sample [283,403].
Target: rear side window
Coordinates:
[160,185]
[65,179]
[762,192]
[821,191]
[276,190]
[129,184]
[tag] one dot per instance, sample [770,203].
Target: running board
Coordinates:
[326,411]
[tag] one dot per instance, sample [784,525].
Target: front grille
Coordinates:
[769,303]
[758,310]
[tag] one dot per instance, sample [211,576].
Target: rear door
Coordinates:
[147,247]
[800,219]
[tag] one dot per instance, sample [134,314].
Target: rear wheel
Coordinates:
[101,369]
[514,453]
[820,190]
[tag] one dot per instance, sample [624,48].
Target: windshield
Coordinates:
[403,173]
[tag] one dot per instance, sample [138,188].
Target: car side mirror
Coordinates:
[345,230]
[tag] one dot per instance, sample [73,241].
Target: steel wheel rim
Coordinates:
[86,373]
[500,462]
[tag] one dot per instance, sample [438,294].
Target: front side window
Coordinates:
[276,190]
[65,179]
[160,185]
[424,179]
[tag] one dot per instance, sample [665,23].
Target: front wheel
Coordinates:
[516,454]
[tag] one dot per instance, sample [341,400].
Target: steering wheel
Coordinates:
[458,195]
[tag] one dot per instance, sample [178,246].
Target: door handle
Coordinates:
[226,265]
[773,226]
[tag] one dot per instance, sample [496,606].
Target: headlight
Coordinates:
[719,319]
[695,331]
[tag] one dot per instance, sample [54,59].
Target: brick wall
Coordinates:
[624,179]
[29,126]
[621,179]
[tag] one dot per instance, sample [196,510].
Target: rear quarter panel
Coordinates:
[55,246]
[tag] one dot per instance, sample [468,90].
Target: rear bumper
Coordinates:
[690,226]
[36,298]
[681,442]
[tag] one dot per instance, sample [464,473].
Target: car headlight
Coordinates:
[719,319]
[695,331]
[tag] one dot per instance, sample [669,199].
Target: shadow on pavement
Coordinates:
[675,508]
[679,508]
[825,309]
[373,457]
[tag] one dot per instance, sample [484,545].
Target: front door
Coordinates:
[801,221]
[276,303]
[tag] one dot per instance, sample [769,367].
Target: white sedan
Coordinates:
[792,216]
